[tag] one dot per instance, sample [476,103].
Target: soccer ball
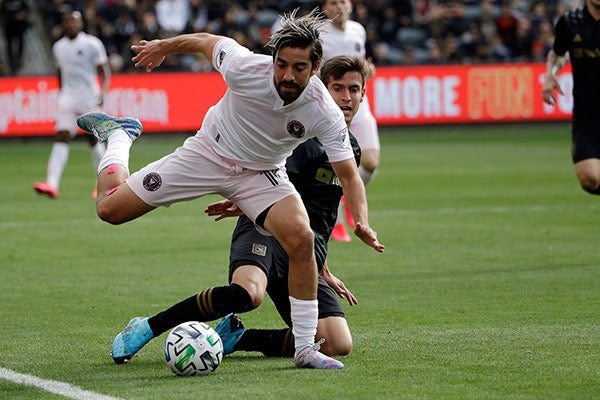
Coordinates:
[193,348]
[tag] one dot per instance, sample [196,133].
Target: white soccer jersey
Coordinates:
[77,60]
[262,132]
[349,42]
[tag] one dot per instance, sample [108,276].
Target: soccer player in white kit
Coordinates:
[343,37]
[271,105]
[80,58]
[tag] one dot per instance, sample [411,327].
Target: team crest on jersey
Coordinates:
[152,182]
[259,249]
[296,129]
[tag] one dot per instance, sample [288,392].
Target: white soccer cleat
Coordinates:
[310,357]
[103,125]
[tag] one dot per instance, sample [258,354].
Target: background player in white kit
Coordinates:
[271,105]
[343,37]
[79,59]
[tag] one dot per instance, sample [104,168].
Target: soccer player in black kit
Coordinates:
[258,263]
[578,32]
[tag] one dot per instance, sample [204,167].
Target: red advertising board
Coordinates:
[164,102]
[465,94]
[175,102]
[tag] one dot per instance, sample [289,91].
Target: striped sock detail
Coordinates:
[204,300]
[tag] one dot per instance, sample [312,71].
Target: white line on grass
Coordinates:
[56,387]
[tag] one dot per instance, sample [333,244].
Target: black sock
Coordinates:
[208,305]
[270,342]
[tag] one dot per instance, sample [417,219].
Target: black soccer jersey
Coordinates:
[578,32]
[311,173]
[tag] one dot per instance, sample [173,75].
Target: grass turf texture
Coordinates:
[488,288]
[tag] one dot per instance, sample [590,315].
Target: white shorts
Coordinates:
[68,112]
[364,128]
[194,170]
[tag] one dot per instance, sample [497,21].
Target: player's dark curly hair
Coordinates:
[301,32]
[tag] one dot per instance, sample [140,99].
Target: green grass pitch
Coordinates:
[488,289]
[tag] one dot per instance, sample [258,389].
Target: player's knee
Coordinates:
[107,213]
[306,236]
[256,298]
[337,347]
[369,165]
[590,184]
[300,243]
[63,136]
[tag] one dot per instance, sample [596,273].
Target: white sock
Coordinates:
[98,151]
[365,175]
[59,155]
[117,150]
[305,314]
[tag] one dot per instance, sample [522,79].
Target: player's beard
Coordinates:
[289,91]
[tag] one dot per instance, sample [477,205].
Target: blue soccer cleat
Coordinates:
[135,336]
[231,330]
[103,125]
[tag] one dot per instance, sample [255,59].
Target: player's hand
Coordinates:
[548,88]
[223,209]
[338,286]
[148,55]
[368,236]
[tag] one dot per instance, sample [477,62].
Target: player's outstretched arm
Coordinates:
[151,54]
[356,200]
[554,63]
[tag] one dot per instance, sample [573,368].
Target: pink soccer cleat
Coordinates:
[46,188]
[349,217]
[340,234]
[310,357]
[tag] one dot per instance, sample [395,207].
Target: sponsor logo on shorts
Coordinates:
[296,129]
[259,249]
[152,182]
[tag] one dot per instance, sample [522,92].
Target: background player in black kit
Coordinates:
[578,32]
[259,265]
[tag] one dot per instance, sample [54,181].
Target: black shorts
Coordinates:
[585,139]
[248,247]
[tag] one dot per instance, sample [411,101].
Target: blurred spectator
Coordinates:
[438,23]
[521,46]
[506,25]
[433,31]
[15,20]
[434,55]
[115,62]
[498,51]
[456,17]
[487,19]
[389,25]
[422,13]
[173,16]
